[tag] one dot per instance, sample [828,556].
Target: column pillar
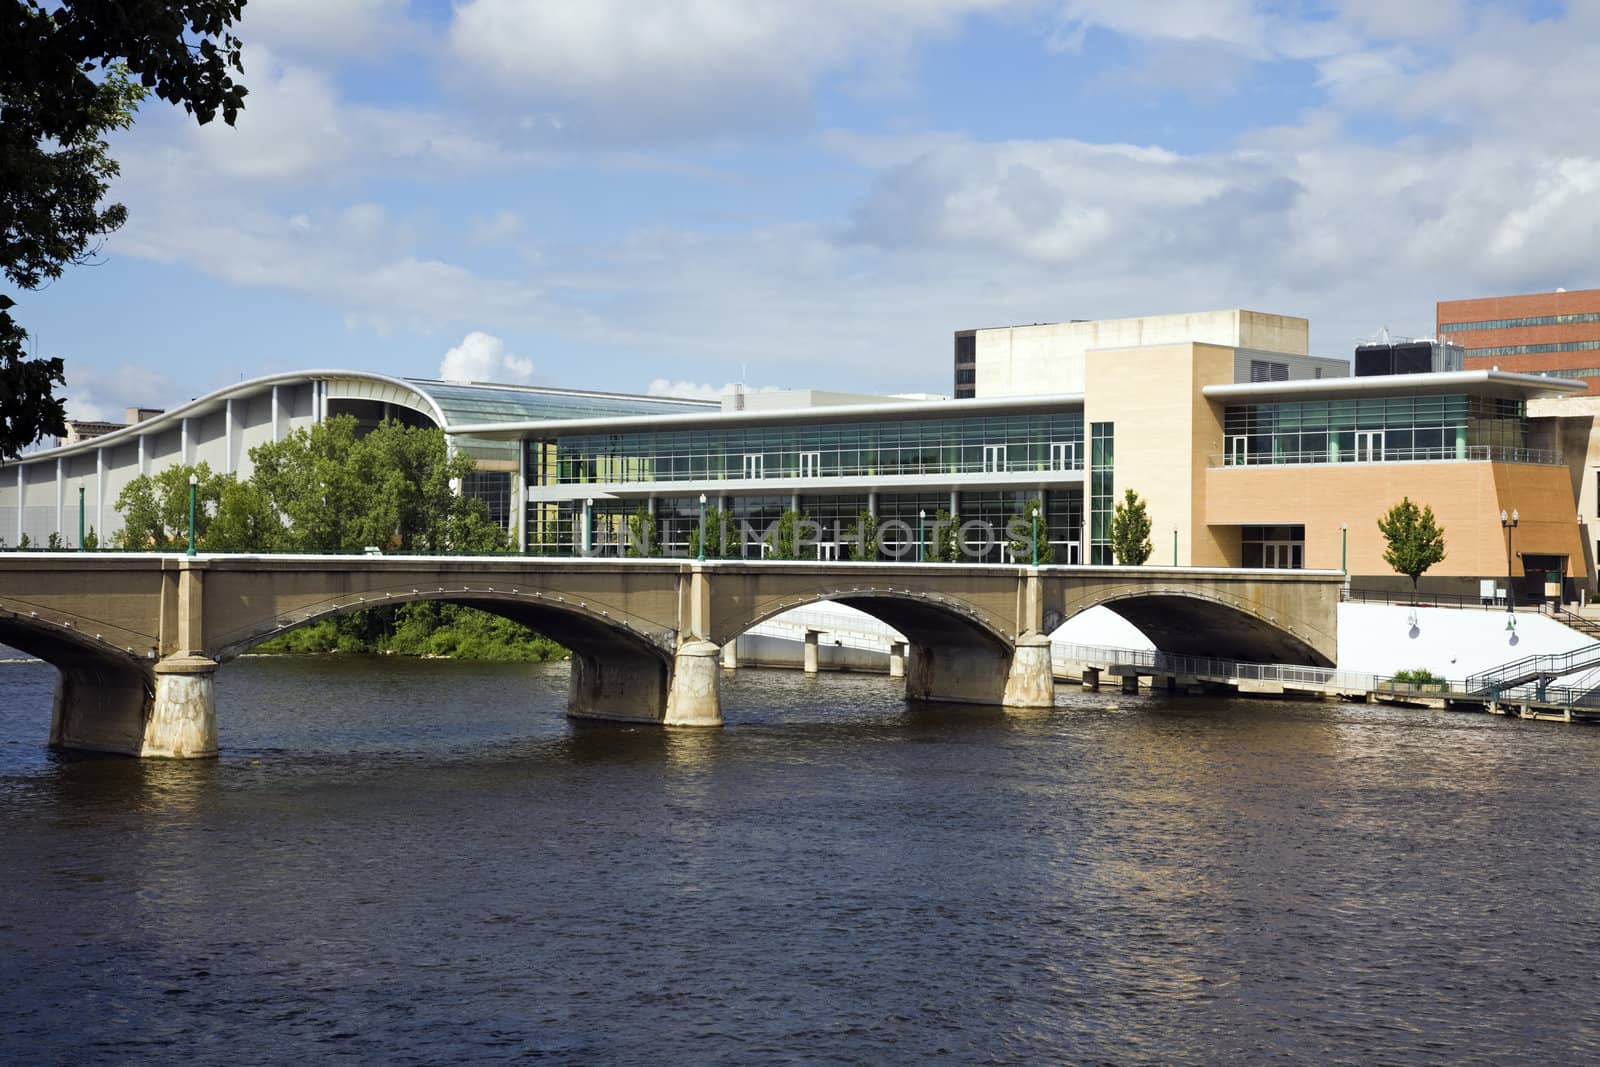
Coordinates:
[1031,682]
[183,719]
[100,496]
[1130,683]
[1091,678]
[61,493]
[693,693]
[730,654]
[811,651]
[897,659]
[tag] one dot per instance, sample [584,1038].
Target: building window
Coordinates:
[1262,370]
[1276,547]
[1102,461]
[494,489]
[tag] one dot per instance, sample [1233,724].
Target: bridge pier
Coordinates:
[694,697]
[183,718]
[170,713]
[624,686]
[1031,682]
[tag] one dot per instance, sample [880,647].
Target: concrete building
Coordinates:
[1556,333]
[1049,357]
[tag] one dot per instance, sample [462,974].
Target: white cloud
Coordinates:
[482,357]
[96,395]
[702,390]
[357,29]
[698,67]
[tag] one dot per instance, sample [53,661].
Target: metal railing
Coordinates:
[1529,668]
[1447,454]
[1431,600]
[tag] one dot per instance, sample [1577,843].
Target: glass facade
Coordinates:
[1001,443]
[1379,429]
[1527,320]
[1102,460]
[494,489]
[1529,350]
[570,527]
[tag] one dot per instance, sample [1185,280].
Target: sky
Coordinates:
[668,198]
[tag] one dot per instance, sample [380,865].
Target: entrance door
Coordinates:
[1235,452]
[753,464]
[1369,446]
[810,464]
[1064,456]
[994,458]
[1283,555]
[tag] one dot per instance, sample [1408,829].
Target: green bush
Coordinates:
[422,629]
[1418,676]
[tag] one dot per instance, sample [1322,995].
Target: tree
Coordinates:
[245,521]
[787,537]
[1416,542]
[1130,531]
[723,540]
[396,488]
[1020,530]
[643,539]
[70,72]
[155,508]
[944,544]
[863,537]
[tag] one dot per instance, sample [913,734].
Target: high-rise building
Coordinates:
[1557,334]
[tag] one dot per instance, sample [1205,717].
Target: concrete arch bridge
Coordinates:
[137,639]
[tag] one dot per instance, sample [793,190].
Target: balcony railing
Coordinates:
[1449,454]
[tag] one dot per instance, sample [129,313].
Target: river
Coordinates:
[423,862]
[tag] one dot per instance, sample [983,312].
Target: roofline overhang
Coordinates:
[201,405]
[1486,381]
[838,413]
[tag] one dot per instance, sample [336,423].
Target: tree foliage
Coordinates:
[1415,540]
[944,544]
[70,73]
[325,489]
[155,508]
[862,543]
[643,539]
[788,537]
[1020,528]
[1130,531]
[723,540]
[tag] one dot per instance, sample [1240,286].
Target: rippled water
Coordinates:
[400,862]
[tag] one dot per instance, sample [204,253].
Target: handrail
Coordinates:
[1528,668]
[1445,454]
[1429,600]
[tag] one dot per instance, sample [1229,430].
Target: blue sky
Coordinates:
[632,196]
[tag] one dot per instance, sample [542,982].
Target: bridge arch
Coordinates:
[621,665]
[959,652]
[1212,623]
[96,683]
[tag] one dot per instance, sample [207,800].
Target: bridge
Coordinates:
[137,638]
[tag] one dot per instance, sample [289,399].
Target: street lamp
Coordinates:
[194,481]
[1509,524]
[1174,544]
[588,526]
[80,518]
[1036,534]
[1344,548]
[702,527]
[922,517]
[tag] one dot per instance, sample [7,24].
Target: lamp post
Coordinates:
[80,518]
[1509,523]
[922,517]
[702,556]
[1344,548]
[1174,544]
[1036,534]
[194,481]
[588,526]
